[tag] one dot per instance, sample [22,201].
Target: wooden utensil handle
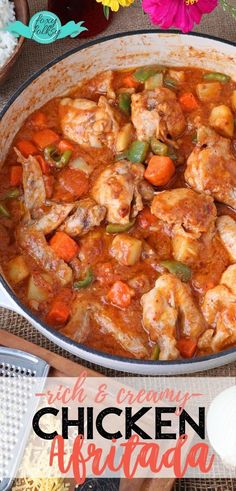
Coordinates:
[64,367]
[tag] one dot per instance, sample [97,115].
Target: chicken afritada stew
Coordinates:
[117,213]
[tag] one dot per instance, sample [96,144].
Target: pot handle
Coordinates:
[5,300]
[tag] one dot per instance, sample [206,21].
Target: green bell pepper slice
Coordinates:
[219,77]
[4,211]
[51,154]
[116,228]
[12,193]
[64,159]
[158,147]
[170,84]
[124,102]
[171,153]
[137,152]
[182,271]
[144,73]
[121,156]
[60,160]
[88,279]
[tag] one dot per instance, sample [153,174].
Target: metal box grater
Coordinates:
[15,424]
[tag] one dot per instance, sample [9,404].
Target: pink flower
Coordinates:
[178,13]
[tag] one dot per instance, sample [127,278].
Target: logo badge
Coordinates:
[45,28]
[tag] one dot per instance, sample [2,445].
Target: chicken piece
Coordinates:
[184,207]
[103,84]
[91,247]
[85,311]
[77,268]
[90,123]
[229,278]
[78,327]
[211,167]
[33,242]
[226,227]
[53,218]
[88,214]
[160,318]
[130,343]
[211,262]
[191,321]
[167,307]
[33,183]
[157,113]
[219,310]
[117,188]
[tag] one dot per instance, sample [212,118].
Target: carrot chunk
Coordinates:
[187,347]
[65,247]
[39,119]
[120,294]
[159,171]
[64,145]
[146,218]
[188,102]
[43,164]
[129,81]
[16,173]
[60,308]
[44,138]
[26,148]
[71,185]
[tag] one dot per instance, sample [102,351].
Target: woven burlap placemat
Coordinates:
[35,56]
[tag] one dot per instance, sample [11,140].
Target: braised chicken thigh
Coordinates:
[117,189]
[211,167]
[168,307]
[88,123]
[157,113]
[219,310]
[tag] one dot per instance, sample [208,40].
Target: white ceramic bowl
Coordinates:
[122,50]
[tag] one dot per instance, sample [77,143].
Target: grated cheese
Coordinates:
[36,458]
[50,484]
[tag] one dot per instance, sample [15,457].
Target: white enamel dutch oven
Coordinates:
[119,51]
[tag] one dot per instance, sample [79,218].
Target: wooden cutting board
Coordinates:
[62,367]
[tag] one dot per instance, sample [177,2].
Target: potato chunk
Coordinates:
[177,75]
[221,119]
[126,249]
[208,92]
[17,270]
[124,137]
[185,247]
[36,292]
[233,100]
